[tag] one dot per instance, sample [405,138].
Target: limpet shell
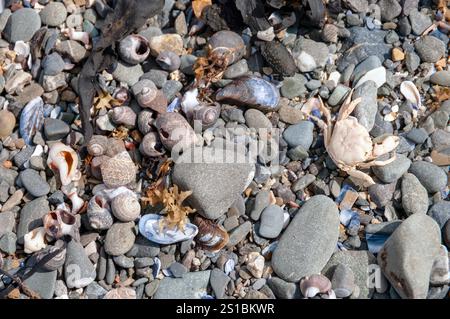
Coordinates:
[126,207]
[119,170]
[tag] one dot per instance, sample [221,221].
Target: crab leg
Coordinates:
[386,146]
[378,163]
[348,107]
[367,180]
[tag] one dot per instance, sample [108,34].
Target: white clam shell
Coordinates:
[411,93]
[378,75]
[149,228]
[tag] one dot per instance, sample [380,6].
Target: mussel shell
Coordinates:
[55,259]
[226,44]
[251,91]
[210,236]
[31,119]
[126,207]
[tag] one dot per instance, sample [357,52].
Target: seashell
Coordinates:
[156,267]
[266,35]
[22,49]
[64,160]
[34,240]
[145,121]
[96,164]
[79,36]
[59,223]
[98,212]
[31,119]
[343,281]
[124,115]
[174,130]
[378,75]
[126,208]
[440,274]
[7,123]
[330,33]
[211,236]
[115,146]
[376,241]
[97,145]
[120,293]
[411,93]
[279,58]
[72,194]
[227,45]
[207,115]
[229,266]
[121,95]
[157,103]
[251,91]
[119,170]
[55,256]
[168,61]
[111,193]
[314,284]
[149,227]
[329,295]
[151,145]
[134,49]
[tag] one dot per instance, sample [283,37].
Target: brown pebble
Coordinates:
[397,55]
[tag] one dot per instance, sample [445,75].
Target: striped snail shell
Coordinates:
[97,145]
[206,114]
[145,121]
[174,130]
[59,223]
[210,236]
[126,207]
[124,115]
[98,212]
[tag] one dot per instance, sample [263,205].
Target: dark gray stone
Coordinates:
[391,172]
[414,195]
[219,281]
[192,286]
[79,272]
[272,220]
[22,25]
[31,216]
[431,176]
[55,129]
[34,183]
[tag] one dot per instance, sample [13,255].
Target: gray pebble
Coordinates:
[123,261]
[236,70]
[239,233]
[171,88]
[419,21]
[55,129]
[414,195]
[22,25]
[272,220]
[299,134]
[178,270]
[95,291]
[430,49]
[53,14]
[432,177]
[151,288]
[293,86]
[391,172]
[34,183]
[8,243]
[441,78]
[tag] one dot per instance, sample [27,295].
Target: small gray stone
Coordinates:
[178,270]
[440,139]
[171,88]
[417,135]
[180,24]
[151,288]
[31,216]
[391,172]
[338,95]
[95,291]
[430,49]
[78,269]
[140,281]
[372,62]
[60,288]
[381,194]
[8,175]
[4,191]
[414,195]
[262,200]
[309,54]
[313,84]
[158,77]
[4,17]
[128,74]
[75,20]
[357,5]
[257,119]
[283,289]
[187,64]
[238,69]
[272,220]
[72,49]
[293,86]
[42,282]
[143,262]
[389,9]
[119,238]
[22,25]
[144,248]
[53,64]
[406,258]
[123,261]
[303,182]
[239,233]
[37,163]
[55,129]
[391,37]
[440,119]
[290,115]
[56,198]
[440,212]
[309,241]
[219,281]
[54,82]
[299,134]
[419,21]
[7,223]
[22,157]
[441,78]
[367,109]
[53,14]
[8,243]
[412,61]
[432,177]
[192,286]
[34,183]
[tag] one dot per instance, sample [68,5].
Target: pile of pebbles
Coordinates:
[297,225]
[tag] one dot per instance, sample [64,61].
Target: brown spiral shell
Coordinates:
[119,170]
[174,130]
[98,213]
[226,44]
[206,114]
[210,236]
[97,145]
[158,103]
[124,115]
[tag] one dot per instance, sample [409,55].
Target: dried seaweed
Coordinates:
[123,19]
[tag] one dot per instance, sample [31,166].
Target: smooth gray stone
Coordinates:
[389,173]
[414,195]
[43,283]
[31,217]
[431,176]
[219,281]
[192,286]
[79,271]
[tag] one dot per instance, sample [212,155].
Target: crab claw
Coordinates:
[387,145]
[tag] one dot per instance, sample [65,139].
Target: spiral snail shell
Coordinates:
[314,284]
[121,95]
[126,207]
[64,160]
[151,145]
[134,49]
[98,212]
[174,130]
[210,236]
[124,115]
[59,223]
[145,121]
[148,96]
[226,45]
[168,61]
[119,170]
[97,145]
[206,114]
[55,256]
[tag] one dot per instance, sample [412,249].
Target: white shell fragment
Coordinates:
[378,75]
[411,93]
[149,228]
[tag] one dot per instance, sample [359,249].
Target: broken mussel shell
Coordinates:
[251,91]
[168,61]
[411,93]
[174,130]
[226,46]
[98,213]
[151,145]
[279,58]
[149,227]
[59,223]
[98,145]
[211,236]
[63,160]
[31,119]
[134,49]
[315,284]
[55,256]
[126,207]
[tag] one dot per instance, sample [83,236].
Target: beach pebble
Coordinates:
[55,129]
[366,110]
[283,289]
[293,86]
[389,9]
[419,21]
[441,78]
[432,177]
[53,14]
[119,239]
[31,216]
[193,285]
[299,134]
[272,220]
[430,49]
[309,55]
[8,243]
[391,172]
[440,212]
[257,119]
[414,195]
[42,282]
[22,25]
[129,74]
[78,269]
[239,233]
[34,183]
[219,281]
